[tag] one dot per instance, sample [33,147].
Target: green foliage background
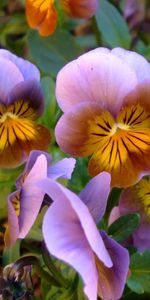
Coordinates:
[110,29]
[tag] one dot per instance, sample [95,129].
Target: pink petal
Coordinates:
[114,215]
[95,195]
[136,61]
[31,196]
[96,77]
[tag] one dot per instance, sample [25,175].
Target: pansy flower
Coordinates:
[71,235]
[136,199]
[105,96]
[42,14]
[24,204]
[21,103]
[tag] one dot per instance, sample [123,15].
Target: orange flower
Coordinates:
[42,15]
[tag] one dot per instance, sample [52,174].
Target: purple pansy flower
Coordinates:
[21,103]
[136,199]
[24,204]
[105,100]
[71,235]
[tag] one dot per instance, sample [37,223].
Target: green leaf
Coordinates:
[112,26]
[52,53]
[123,227]
[139,281]
[51,111]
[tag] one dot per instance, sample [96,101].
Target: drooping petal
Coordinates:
[80,9]
[29,91]
[66,240]
[10,75]
[28,70]
[42,15]
[12,230]
[31,196]
[62,168]
[82,217]
[95,77]
[95,195]
[72,132]
[34,154]
[112,281]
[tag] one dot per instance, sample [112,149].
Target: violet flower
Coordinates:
[136,199]
[21,103]
[105,99]
[71,235]
[24,204]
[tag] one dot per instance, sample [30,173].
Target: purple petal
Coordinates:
[31,196]
[10,75]
[136,61]
[96,77]
[30,91]
[34,154]
[95,195]
[62,168]
[114,215]
[65,197]
[12,231]
[112,281]
[28,70]
[65,239]
[141,237]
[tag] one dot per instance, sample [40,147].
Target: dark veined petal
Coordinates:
[18,139]
[30,92]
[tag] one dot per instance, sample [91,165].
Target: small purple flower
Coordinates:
[21,103]
[136,199]
[24,204]
[71,235]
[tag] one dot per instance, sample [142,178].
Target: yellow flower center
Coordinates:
[117,139]
[16,203]
[142,190]
[16,123]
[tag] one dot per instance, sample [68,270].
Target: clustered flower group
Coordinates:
[104,95]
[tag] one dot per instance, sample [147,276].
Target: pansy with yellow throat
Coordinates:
[105,95]
[21,103]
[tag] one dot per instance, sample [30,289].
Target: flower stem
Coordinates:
[96,31]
